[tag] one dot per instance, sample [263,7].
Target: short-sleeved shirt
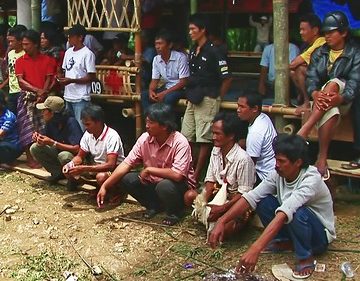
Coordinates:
[238,170]
[13,82]
[8,124]
[208,68]
[174,154]
[35,69]
[259,144]
[109,142]
[306,55]
[171,72]
[70,133]
[268,59]
[77,64]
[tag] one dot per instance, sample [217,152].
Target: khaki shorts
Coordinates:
[196,125]
[339,110]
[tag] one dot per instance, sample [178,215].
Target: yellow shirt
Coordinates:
[333,55]
[306,55]
[13,82]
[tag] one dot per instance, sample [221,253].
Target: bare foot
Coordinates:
[33,164]
[302,108]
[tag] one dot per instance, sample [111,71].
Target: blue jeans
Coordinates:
[305,230]
[170,99]
[76,108]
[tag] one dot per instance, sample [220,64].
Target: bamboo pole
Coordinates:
[138,117]
[281,45]
[193,7]
[35,14]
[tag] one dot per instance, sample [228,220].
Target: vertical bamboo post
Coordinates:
[35,14]
[193,7]
[138,119]
[23,14]
[281,44]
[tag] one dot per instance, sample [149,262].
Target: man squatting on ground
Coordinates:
[166,157]
[293,203]
[100,143]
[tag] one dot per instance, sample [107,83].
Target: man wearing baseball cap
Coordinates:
[61,140]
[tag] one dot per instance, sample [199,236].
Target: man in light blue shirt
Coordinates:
[267,71]
[170,71]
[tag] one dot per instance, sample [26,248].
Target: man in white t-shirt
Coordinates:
[100,142]
[260,134]
[79,69]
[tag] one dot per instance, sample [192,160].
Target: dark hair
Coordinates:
[2,102]
[293,147]
[200,21]
[162,114]
[51,35]
[122,37]
[17,31]
[61,118]
[77,29]
[232,125]
[312,19]
[165,35]
[32,35]
[253,99]
[93,112]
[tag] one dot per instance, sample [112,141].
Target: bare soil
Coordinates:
[51,228]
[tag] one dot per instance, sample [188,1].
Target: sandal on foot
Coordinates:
[150,213]
[301,267]
[352,165]
[170,220]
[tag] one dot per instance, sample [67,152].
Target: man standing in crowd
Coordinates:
[336,62]
[34,72]
[260,136]
[167,167]
[171,69]
[79,68]
[10,148]
[294,205]
[310,26]
[229,165]
[100,143]
[61,140]
[208,82]
[262,32]
[14,38]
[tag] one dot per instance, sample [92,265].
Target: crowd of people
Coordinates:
[48,115]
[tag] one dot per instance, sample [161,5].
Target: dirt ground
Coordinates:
[49,229]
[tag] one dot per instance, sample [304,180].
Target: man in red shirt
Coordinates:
[34,72]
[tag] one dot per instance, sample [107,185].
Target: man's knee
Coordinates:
[101,178]
[65,157]
[165,187]
[34,149]
[130,179]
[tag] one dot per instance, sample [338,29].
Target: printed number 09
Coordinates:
[96,87]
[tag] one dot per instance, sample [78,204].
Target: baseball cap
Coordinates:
[53,103]
[77,29]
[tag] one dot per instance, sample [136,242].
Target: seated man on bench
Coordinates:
[333,81]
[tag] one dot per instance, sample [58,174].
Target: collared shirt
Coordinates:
[109,142]
[268,58]
[70,133]
[306,55]
[8,124]
[209,67]
[174,154]
[34,70]
[308,189]
[237,169]
[171,72]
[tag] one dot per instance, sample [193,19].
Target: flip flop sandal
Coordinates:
[170,220]
[352,165]
[299,268]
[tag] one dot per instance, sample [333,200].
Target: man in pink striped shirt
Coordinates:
[167,173]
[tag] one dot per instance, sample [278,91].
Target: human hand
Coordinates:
[44,140]
[153,96]
[262,89]
[161,96]
[76,171]
[64,81]
[320,102]
[143,175]
[215,213]
[248,261]
[333,99]
[67,167]
[101,196]
[217,235]
[34,137]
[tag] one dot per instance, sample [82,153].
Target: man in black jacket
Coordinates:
[333,81]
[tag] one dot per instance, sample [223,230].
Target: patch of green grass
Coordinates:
[140,271]
[45,266]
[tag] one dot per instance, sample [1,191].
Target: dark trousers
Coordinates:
[305,230]
[8,152]
[356,124]
[166,194]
